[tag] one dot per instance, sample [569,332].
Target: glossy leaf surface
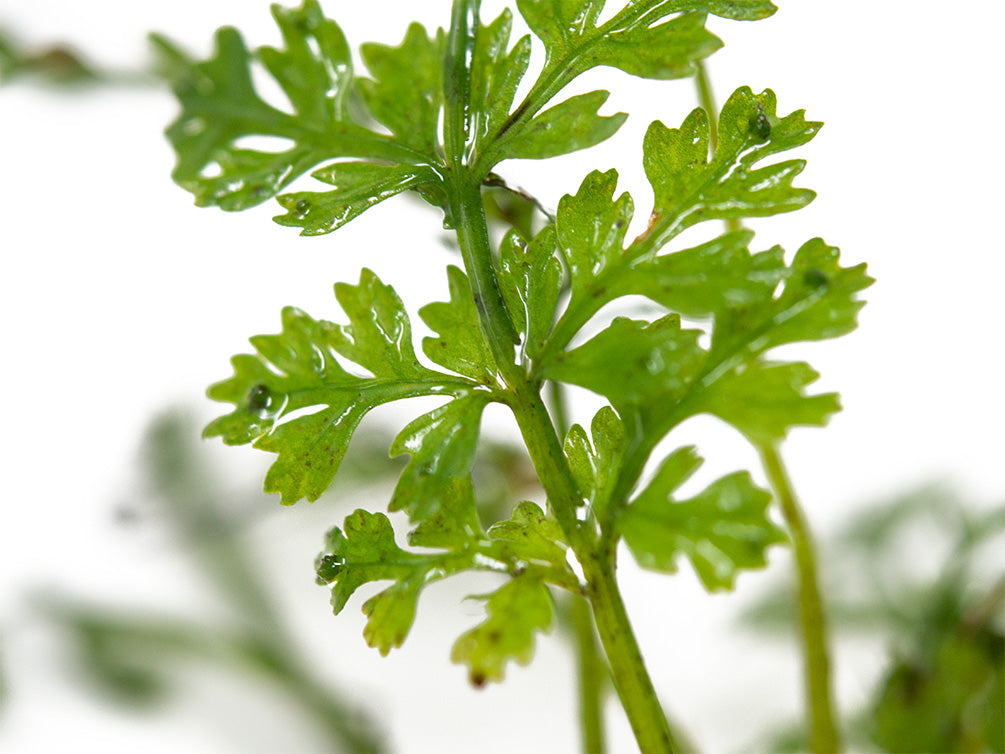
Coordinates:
[721,530]
[461,346]
[531,283]
[298,369]
[596,465]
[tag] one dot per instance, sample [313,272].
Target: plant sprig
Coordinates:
[436,116]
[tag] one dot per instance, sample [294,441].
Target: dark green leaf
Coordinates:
[531,282]
[516,611]
[442,444]
[691,188]
[634,363]
[596,466]
[764,400]
[566,127]
[532,535]
[461,346]
[359,186]
[406,93]
[721,530]
[298,369]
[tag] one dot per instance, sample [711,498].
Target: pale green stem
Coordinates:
[824,736]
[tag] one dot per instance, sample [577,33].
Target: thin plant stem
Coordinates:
[592,674]
[824,736]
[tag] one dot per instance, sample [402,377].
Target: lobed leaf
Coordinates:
[530,278]
[359,186]
[517,610]
[531,534]
[409,105]
[461,346]
[596,467]
[690,188]
[633,363]
[442,444]
[721,530]
[298,369]
[567,127]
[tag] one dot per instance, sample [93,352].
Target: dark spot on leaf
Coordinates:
[478,680]
[815,278]
[328,567]
[493,636]
[259,399]
[760,126]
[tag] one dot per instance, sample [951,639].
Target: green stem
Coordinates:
[824,737]
[467,210]
[591,675]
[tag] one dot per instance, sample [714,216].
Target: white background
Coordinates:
[119,299]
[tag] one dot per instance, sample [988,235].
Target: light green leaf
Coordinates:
[442,444]
[461,346]
[633,363]
[365,551]
[721,530]
[298,369]
[359,186]
[590,229]
[530,278]
[379,335]
[596,467]
[764,400]
[691,188]
[566,127]
[406,92]
[532,535]
[517,610]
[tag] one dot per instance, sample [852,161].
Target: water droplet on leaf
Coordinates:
[259,399]
[329,567]
[760,126]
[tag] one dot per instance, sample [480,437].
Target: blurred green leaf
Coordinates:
[532,535]
[517,610]
[721,530]
[596,466]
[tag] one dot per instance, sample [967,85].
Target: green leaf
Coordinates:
[455,525]
[365,551]
[298,369]
[764,400]
[379,335]
[359,186]
[495,76]
[566,127]
[442,444]
[721,530]
[590,229]
[517,610]
[406,92]
[691,188]
[530,277]
[220,105]
[705,280]
[461,346]
[633,363]
[596,467]
[532,535]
